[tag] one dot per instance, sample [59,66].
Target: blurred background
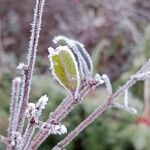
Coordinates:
[116,33]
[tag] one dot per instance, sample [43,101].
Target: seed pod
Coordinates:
[64,68]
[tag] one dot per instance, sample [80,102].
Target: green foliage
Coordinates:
[64,68]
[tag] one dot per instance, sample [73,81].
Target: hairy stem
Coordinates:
[83,125]
[27,136]
[99,110]
[16,83]
[62,112]
[3,139]
[28,69]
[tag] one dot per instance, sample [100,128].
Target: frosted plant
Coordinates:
[72,67]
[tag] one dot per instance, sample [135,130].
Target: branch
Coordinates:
[33,113]
[3,139]
[83,125]
[16,83]
[100,109]
[62,111]
[28,69]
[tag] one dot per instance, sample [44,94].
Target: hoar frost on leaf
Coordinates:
[81,55]
[64,68]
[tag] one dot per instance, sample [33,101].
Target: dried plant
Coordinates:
[72,67]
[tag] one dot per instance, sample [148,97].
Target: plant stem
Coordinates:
[60,113]
[98,111]
[16,83]
[3,139]
[61,145]
[27,136]
[28,69]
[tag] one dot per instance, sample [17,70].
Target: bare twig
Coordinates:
[28,69]
[99,110]
[3,139]
[28,135]
[33,112]
[83,125]
[61,112]
[16,83]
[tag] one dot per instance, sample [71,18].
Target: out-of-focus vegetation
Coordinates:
[117,35]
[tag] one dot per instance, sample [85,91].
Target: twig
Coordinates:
[28,135]
[16,83]
[63,112]
[99,110]
[28,69]
[33,112]
[125,108]
[3,139]
[107,85]
[83,124]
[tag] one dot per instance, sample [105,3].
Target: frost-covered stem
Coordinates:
[32,113]
[28,69]
[133,79]
[99,110]
[125,108]
[3,139]
[59,110]
[59,114]
[107,85]
[145,67]
[126,98]
[42,135]
[16,83]
[96,113]
[27,136]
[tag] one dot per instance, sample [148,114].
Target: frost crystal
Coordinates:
[30,110]
[35,110]
[59,129]
[99,78]
[15,139]
[42,102]
[54,129]
[17,79]
[82,57]
[20,66]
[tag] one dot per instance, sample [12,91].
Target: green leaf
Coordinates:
[64,68]
[81,55]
